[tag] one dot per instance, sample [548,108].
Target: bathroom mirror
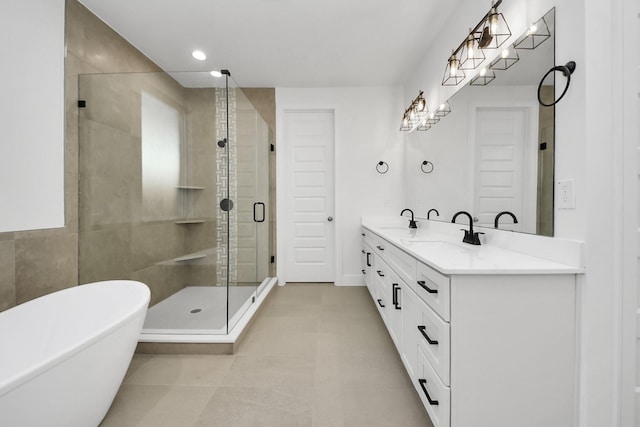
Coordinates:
[494,151]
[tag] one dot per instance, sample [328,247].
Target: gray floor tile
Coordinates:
[317,355]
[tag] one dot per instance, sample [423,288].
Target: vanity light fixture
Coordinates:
[216,74]
[452,73]
[484,77]
[507,58]
[443,110]
[423,126]
[490,33]
[471,55]
[537,33]
[495,30]
[415,114]
[432,119]
[199,55]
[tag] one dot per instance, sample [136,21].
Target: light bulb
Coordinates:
[453,67]
[405,121]
[533,28]
[505,53]
[216,74]
[442,107]
[412,114]
[483,72]
[493,24]
[470,46]
[421,105]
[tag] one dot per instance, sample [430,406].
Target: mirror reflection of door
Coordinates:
[502,159]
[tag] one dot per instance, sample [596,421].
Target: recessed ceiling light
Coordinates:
[216,74]
[199,55]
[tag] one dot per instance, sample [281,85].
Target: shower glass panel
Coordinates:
[173,170]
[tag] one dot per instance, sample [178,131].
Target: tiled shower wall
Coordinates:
[34,263]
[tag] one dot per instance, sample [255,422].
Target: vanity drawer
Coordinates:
[434,289]
[435,396]
[434,336]
[403,263]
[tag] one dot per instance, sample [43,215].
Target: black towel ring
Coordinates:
[382,167]
[566,70]
[429,166]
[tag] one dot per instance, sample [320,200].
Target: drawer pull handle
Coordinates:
[380,273]
[424,286]
[380,303]
[426,337]
[426,393]
[363,251]
[380,248]
[396,288]
[368,259]
[363,234]
[364,272]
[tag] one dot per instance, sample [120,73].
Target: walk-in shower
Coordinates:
[174,192]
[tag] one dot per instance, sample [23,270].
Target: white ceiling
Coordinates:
[282,43]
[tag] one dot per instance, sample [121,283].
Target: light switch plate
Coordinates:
[565,194]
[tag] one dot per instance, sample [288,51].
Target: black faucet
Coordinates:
[412,222]
[432,210]
[469,236]
[495,222]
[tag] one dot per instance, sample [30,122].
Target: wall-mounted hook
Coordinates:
[382,167]
[426,166]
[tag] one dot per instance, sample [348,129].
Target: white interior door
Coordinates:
[502,165]
[309,235]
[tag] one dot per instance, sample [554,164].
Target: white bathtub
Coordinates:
[63,356]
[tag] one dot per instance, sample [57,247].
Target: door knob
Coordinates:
[330,219]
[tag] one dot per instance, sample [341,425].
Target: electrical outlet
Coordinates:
[566,197]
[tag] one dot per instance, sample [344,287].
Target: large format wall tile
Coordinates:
[45,265]
[7,274]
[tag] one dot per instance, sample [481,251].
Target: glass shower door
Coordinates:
[248,238]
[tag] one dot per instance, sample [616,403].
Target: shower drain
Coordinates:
[196,310]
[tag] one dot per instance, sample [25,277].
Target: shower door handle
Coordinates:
[255,218]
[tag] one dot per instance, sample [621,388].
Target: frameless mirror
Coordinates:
[494,151]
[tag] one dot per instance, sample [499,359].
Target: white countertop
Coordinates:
[446,252]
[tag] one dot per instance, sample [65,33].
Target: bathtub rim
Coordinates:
[11,382]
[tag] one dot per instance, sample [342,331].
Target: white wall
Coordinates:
[588,150]
[366,131]
[32,115]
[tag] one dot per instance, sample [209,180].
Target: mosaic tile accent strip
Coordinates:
[226,178]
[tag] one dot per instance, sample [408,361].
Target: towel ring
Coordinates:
[566,70]
[382,167]
[429,166]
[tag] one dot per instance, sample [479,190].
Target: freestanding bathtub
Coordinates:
[63,356]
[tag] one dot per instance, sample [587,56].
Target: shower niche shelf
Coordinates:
[190,257]
[189,187]
[190,221]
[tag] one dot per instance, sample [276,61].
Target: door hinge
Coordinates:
[543,146]
[272,147]
[273,259]
[82,103]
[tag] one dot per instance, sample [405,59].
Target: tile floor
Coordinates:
[317,355]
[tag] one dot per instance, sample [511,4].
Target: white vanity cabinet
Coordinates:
[483,349]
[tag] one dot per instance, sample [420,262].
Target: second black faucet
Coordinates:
[412,222]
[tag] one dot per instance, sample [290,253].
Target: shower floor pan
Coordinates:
[197,314]
[197,310]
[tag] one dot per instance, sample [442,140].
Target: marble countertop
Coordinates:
[446,253]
